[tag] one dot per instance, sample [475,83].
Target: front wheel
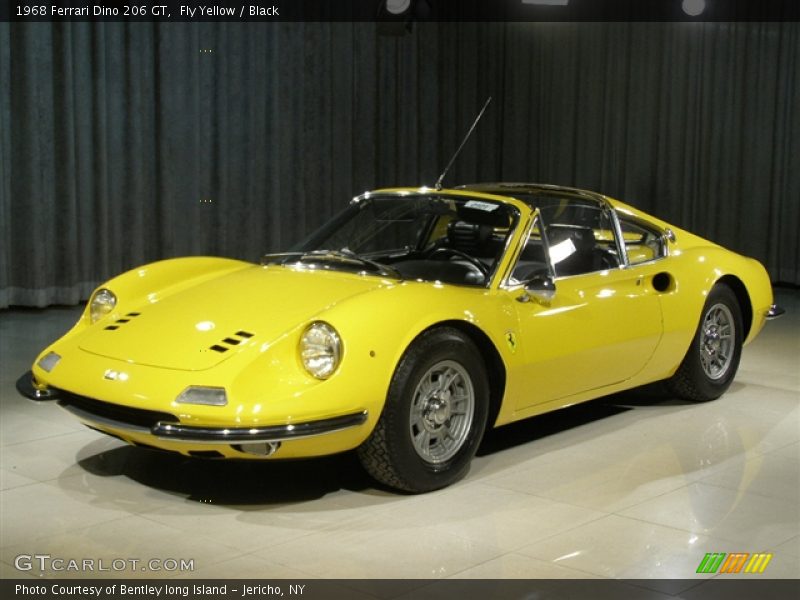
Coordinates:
[434,416]
[713,357]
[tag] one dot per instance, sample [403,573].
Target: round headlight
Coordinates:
[320,350]
[103,302]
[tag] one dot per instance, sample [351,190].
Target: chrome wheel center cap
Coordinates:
[437,412]
[712,341]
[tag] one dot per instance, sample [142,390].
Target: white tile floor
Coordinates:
[631,486]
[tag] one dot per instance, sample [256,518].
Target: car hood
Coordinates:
[200,326]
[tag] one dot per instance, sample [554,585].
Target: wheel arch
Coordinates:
[743,298]
[495,367]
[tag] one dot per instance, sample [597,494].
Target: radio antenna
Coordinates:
[464,141]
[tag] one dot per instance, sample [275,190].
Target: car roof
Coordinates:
[524,196]
[518,203]
[528,192]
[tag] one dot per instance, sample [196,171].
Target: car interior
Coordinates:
[461,248]
[433,238]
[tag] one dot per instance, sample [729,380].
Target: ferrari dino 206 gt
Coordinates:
[404,327]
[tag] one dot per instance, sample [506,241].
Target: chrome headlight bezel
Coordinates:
[102,303]
[320,349]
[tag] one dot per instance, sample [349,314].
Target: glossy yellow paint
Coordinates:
[601,333]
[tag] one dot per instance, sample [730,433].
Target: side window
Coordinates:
[643,243]
[580,238]
[531,261]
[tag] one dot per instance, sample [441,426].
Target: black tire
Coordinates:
[390,454]
[693,381]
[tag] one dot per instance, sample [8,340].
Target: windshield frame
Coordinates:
[517,211]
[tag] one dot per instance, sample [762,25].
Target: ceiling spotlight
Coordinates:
[397,7]
[693,7]
[396,17]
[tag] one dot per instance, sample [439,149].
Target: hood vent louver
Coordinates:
[231,341]
[121,321]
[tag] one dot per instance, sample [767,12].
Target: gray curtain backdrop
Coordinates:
[122,144]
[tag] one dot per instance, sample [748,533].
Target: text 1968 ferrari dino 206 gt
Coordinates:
[405,326]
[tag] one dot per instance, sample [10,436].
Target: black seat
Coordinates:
[470,238]
[571,249]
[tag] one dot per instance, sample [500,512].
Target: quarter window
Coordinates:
[580,238]
[643,243]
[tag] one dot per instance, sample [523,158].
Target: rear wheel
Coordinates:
[434,416]
[713,357]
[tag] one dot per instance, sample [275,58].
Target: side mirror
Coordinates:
[541,288]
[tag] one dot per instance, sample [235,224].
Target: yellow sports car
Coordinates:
[405,326]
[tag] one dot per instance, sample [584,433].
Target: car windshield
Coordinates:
[429,237]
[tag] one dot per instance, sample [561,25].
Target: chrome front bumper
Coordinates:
[26,388]
[774,312]
[178,432]
[249,435]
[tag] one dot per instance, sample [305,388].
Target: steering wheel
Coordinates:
[470,259]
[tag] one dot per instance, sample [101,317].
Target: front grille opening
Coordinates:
[206,454]
[138,417]
[244,334]
[231,341]
[123,320]
[133,314]
[218,348]
[112,327]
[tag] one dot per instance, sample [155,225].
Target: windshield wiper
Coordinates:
[348,255]
[279,257]
[343,255]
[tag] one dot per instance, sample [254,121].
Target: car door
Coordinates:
[603,321]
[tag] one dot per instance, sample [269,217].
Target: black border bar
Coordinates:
[346,589]
[376,10]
